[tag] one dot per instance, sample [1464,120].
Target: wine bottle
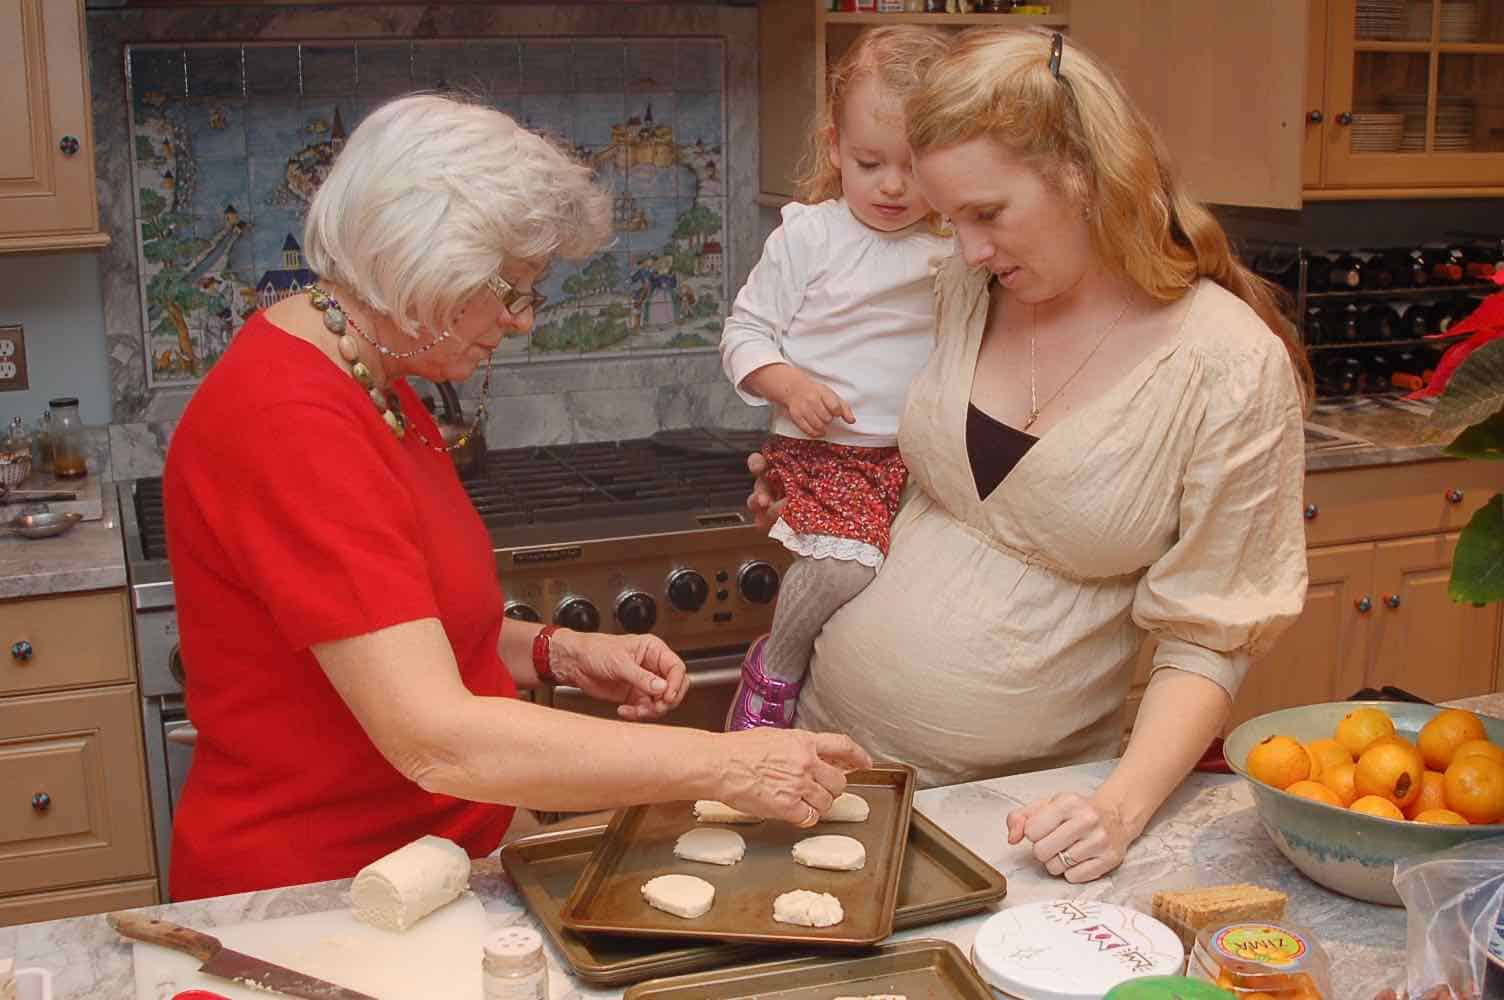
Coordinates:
[1441,267]
[1345,325]
[1416,321]
[1378,272]
[1381,322]
[1478,264]
[1318,273]
[1312,329]
[1346,274]
[1410,269]
[1280,266]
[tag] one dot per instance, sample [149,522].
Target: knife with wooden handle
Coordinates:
[227,963]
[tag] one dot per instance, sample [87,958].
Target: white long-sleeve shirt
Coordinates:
[850,306]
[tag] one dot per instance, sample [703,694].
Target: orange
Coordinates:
[1390,770]
[1315,763]
[1317,791]
[1396,739]
[1474,787]
[1328,754]
[1480,748]
[1431,795]
[1377,805]
[1440,817]
[1362,728]
[1279,761]
[1342,779]
[1440,738]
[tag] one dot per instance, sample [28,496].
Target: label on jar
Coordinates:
[533,987]
[1268,944]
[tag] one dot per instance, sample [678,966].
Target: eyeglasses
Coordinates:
[514,299]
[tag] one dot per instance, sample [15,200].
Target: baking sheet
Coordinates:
[639,845]
[924,969]
[940,880]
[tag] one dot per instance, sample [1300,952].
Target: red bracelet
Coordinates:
[541,645]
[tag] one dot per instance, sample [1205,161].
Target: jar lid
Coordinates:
[513,944]
[63,401]
[1068,950]
[1167,988]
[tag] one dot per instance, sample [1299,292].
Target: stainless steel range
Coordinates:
[645,535]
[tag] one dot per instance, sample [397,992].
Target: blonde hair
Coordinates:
[897,56]
[431,195]
[1089,140]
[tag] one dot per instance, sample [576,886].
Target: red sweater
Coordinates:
[294,517]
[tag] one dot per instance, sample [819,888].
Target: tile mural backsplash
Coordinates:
[229,143]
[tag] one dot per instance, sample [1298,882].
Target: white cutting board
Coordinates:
[439,959]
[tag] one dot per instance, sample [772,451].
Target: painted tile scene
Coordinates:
[230,143]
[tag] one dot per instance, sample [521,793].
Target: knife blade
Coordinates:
[227,963]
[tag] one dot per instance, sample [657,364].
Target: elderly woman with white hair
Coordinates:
[351,673]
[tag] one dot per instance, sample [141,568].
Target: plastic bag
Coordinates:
[1452,907]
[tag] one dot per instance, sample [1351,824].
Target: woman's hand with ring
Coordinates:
[639,673]
[786,774]
[1074,837]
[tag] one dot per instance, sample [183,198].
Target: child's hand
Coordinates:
[813,405]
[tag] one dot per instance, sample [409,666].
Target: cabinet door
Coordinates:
[46,141]
[1321,656]
[1223,82]
[791,85]
[1422,640]
[1315,94]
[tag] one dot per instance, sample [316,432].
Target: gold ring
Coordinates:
[814,815]
[1066,860]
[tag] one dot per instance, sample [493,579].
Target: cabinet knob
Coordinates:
[68,144]
[1311,511]
[21,650]
[41,802]
[1391,600]
[1315,117]
[1364,604]
[1454,496]
[1345,118]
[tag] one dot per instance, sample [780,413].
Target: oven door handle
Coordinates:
[185,736]
[717,677]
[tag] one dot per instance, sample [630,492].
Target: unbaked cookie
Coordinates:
[808,909]
[831,852]
[682,895]
[711,845]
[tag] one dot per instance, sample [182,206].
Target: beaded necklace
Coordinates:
[387,402]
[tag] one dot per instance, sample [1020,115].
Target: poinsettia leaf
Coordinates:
[1484,440]
[1475,391]
[1478,566]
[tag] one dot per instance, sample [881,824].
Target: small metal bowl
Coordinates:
[44,525]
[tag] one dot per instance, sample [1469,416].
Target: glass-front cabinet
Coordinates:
[1413,95]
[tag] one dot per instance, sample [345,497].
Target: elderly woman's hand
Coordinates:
[787,774]
[1073,836]
[764,504]
[637,672]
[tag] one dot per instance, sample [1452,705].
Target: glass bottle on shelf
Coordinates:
[68,459]
[1313,329]
[1377,272]
[1381,322]
[1416,321]
[1478,263]
[1441,266]
[1346,274]
[1318,272]
[1345,325]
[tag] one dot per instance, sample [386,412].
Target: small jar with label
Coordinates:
[513,965]
[68,458]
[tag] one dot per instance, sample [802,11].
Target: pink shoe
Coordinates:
[777,697]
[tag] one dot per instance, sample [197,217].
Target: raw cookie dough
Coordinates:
[682,895]
[711,845]
[847,808]
[398,890]
[711,811]
[808,909]
[832,852]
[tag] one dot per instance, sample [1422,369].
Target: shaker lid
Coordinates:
[63,401]
[513,943]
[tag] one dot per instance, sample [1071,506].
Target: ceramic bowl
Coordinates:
[1351,853]
[45,524]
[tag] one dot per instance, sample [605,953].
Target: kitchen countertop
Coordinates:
[90,557]
[1208,829]
[1392,431]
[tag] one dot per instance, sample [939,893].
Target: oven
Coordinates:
[643,535]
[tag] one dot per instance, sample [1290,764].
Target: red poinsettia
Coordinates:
[1485,324]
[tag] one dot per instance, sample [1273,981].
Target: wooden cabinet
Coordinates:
[75,828]
[47,199]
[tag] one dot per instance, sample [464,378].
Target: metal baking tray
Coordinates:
[639,845]
[923,969]
[941,879]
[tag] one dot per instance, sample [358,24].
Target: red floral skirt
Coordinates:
[836,490]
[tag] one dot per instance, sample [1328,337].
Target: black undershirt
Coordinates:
[993,449]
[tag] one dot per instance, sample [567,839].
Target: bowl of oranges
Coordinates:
[1346,788]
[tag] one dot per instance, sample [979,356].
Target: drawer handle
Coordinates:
[21,650]
[41,802]
[1454,496]
[1364,604]
[184,736]
[1311,511]
[1391,600]
[68,145]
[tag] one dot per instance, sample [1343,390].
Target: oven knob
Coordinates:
[578,614]
[687,590]
[522,612]
[637,612]
[758,582]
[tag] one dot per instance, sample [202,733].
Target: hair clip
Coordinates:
[1057,49]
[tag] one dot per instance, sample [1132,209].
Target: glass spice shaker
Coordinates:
[41,443]
[513,965]
[68,460]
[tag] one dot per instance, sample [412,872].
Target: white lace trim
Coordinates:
[825,546]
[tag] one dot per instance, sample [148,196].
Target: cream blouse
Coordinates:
[1000,634]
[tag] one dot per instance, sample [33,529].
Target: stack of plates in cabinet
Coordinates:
[1454,125]
[1459,20]
[1380,18]
[1377,132]
[1413,108]
[1418,20]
